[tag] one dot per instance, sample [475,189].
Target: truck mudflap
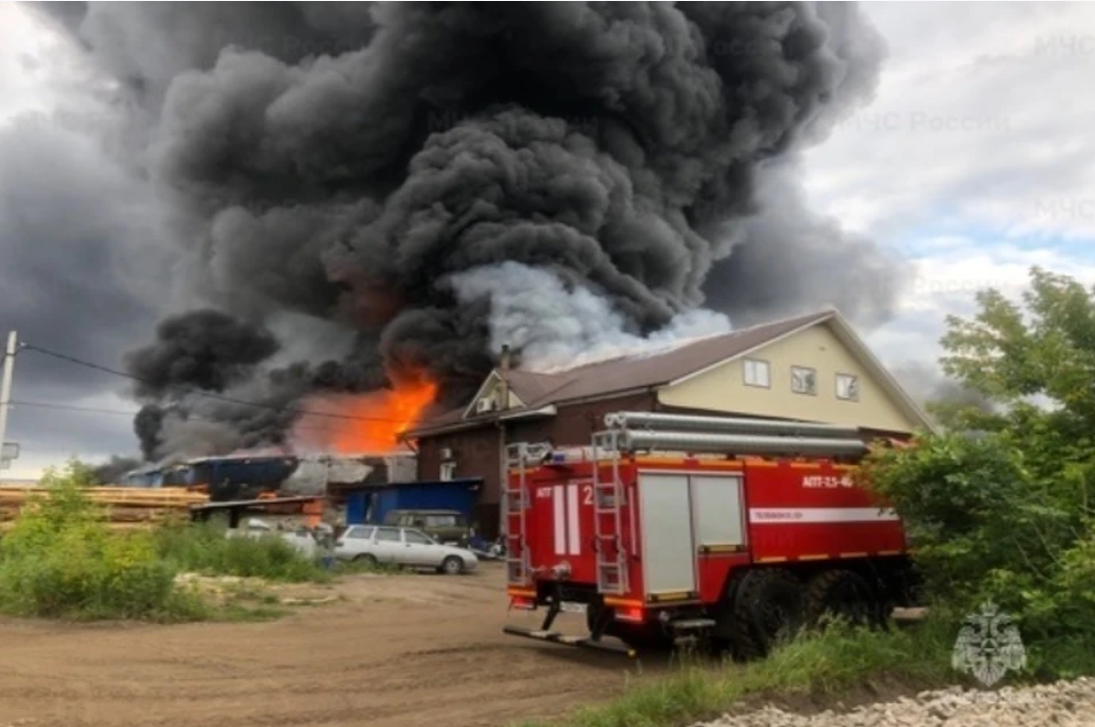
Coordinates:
[582,642]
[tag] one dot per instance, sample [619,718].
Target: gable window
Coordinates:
[756,373]
[803,380]
[847,387]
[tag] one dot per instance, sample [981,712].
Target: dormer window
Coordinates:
[486,404]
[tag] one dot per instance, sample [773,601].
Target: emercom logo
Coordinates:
[988,645]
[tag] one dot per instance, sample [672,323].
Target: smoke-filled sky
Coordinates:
[330,194]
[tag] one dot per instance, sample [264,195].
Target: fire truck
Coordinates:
[728,532]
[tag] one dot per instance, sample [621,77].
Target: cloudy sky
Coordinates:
[972,163]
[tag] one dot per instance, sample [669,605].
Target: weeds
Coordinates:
[831,662]
[61,560]
[204,548]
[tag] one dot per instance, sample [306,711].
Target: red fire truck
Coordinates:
[728,531]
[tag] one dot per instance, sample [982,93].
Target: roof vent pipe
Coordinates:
[503,372]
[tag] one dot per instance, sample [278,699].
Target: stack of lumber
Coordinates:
[121,505]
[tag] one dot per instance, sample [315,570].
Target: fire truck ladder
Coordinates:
[608,501]
[515,496]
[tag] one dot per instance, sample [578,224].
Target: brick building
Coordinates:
[810,368]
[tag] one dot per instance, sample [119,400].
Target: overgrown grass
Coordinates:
[204,548]
[61,560]
[832,662]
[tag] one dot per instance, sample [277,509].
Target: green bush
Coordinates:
[999,505]
[61,560]
[204,548]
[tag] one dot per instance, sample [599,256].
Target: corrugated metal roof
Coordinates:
[625,373]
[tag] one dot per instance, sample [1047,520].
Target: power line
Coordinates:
[207,394]
[134,412]
[70,407]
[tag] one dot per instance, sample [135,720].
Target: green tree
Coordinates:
[1000,504]
[1048,352]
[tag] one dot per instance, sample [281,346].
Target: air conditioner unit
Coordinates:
[446,453]
[484,405]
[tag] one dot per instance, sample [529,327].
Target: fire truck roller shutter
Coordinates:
[719,515]
[669,552]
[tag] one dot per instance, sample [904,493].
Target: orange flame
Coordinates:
[378,418]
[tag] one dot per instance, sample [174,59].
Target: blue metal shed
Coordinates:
[371,503]
[228,477]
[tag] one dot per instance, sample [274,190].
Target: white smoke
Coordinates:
[556,327]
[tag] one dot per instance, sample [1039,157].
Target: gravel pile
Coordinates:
[1062,704]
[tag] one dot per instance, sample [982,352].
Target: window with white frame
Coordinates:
[803,380]
[756,373]
[847,387]
[448,471]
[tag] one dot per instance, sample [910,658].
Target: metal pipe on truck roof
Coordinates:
[740,444]
[686,422]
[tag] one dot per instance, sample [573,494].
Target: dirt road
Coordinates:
[400,650]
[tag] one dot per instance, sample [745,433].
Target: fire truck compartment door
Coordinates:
[717,503]
[668,553]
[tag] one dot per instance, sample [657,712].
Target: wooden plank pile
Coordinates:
[123,506]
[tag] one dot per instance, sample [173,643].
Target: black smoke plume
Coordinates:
[111,471]
[204,349]
[365,173]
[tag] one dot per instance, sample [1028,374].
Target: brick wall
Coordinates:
[476,451]
[476,454]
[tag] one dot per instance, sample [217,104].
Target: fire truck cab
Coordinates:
[670,528]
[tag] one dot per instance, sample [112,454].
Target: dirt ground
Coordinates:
[402,650]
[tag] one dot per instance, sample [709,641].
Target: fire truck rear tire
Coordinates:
[845,594]
[769,606]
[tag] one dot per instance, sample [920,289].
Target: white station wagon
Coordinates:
[406,547]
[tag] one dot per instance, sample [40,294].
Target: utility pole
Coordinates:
[5,386]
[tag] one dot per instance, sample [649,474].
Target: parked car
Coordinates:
[308,542]
[407,547]
[445,526]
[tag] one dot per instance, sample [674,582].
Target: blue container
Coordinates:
[371,505]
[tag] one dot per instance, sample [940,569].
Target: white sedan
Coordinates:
[406,547]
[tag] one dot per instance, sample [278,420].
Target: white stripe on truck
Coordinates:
[560,520]
[573,528]
[772,515]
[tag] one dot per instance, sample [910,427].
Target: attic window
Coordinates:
[487,404]
[803,380]
[756,373]
[847,387]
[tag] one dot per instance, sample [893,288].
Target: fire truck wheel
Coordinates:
[769,607]
[845,594]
